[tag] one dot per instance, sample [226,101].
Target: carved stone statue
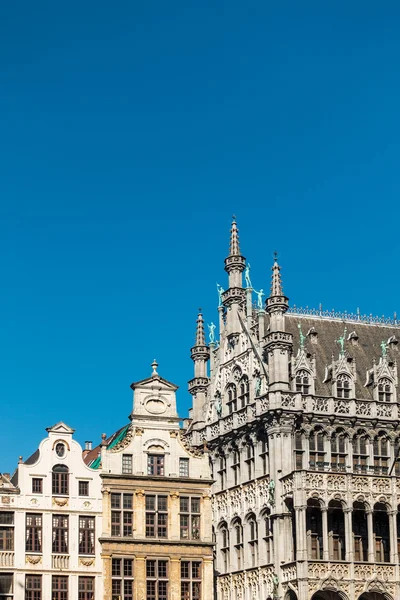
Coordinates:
[257,386]
[211,330]
[218,404]
[384,349]
[247,276]
[220,291]
[302,337]
[259,295]
[271,492]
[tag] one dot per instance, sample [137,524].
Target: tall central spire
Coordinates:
[234,248]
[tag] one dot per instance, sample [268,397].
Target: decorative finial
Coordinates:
[154,366]
[341,341]
[234,249]
[384,347]
[200,337]
[302,337]
[20,460]
[276,283]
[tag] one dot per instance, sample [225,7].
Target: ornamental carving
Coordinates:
[317,570]
[381,485]
[86,562]
[363,409]
[5,499]
[320,404]
[287,485]
[288,401]
[33,560]
[384,410]
[264,404]
[360,484]
[126,440]
[227,423]
[289,573]
[214,430]
[314,481]
[342,407]
[336,482]
[60,501]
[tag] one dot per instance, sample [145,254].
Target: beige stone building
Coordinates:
[300,411]
[156,542]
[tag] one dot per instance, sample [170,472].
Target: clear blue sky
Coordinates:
[129,134]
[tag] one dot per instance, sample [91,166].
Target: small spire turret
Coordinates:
[276,281]
[200,336]
[277,302]
[235,263]
[234,247]
[200,354]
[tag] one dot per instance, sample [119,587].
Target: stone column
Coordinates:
[206,519]
[107,572]
[175,579]
[325,539]
[394,556]
[173,516]
[139,588]
[348,528]
[208,578]
[140,514]
[370,523]
[301,533]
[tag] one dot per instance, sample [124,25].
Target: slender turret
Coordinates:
[234,297]
[200,354]
[278,343]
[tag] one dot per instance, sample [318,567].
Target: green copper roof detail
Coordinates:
[96,463]
[119,437]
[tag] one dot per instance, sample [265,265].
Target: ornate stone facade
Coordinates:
[300,416]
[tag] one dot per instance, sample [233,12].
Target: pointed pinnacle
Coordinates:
[276,283]
[234,249]
[200,337]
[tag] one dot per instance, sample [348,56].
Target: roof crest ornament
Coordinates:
[370,319]
[154,366]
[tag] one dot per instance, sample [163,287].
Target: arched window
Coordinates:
[343,386]
[317,450]
[222,471]
[338,451]
[381,455]
[360,453]
[299,449]
[303,382]
[384,390]
[224,536]
[314,530]
[244,396]
[236,467]
[238,542]
[381,533]
[268,548]
[253,540]
[360,532]
[232,398]
[250,459]
[60,480]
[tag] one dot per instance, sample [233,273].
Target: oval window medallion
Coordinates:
[60,450]
[155,406]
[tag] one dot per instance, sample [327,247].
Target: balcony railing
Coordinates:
[6,558]
[60,561]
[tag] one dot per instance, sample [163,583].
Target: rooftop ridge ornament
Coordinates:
[302,337]
[154,366]
[341,341]
[357,317]
[384,347]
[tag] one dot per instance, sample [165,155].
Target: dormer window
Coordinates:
[303,382]
[343,386]
[384,390]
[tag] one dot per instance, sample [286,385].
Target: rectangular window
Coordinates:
[59,584]
[236,467]
[83,488]
[183,467]
[264,457]
[86,535]
[33,587]
[6,586]
[250,461]
[6,531]
[156,516]
[86,588]
[122,578]
[222,472]
[122,515]
[33,533]
[156,580]
[60,534]
[155,464]
[37,485]
[189,518]
[190,580]
[60,480]
[127,464]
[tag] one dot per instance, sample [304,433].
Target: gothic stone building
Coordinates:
[157,535]
[300,414]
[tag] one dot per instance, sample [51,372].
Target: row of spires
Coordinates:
[235,263]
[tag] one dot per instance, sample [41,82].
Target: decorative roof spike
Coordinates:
[200,336]
[234,247]
[154,366]
[276,282]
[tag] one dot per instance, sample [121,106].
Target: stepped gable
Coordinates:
[364,352]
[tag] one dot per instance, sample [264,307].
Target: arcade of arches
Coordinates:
[328,595]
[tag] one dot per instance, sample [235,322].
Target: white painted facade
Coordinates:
[34,553]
